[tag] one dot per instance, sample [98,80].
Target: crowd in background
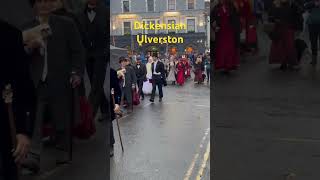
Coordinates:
[235,23]
[135,78]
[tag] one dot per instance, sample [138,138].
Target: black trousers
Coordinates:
[259,18]
[96,69]
[157,82]
[208,74]
[140,86]
[314,36]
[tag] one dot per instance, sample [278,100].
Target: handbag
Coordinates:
[86,128]
[252,35]
[243,36]
[203,76]
[136,97]
[164,82]
[268,27]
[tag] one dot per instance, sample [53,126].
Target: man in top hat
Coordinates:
[128,81]
[93,20]
[158,78]
[57,67]
[141,74]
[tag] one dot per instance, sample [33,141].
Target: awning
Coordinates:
[115,54]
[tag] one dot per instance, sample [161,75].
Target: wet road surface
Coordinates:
[266,122]
[167,140]
[162,141]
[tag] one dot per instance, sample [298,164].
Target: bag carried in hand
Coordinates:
[252,35]
[203,76]
[268,27]
[86,128]
[243,36]
[164,82]
[136,97]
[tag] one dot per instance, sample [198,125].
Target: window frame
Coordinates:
[154,6]
[195,24]
[145,31]
[175,5]
[123,27]
[122,6]
[194,5]
[175,20]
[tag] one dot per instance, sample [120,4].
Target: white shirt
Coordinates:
[91,15]
[149,70]
[154,68]
[44,53]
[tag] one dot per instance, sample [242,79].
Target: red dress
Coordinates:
[227,54]
[247,19]
[180,73]
[282,49]
[187,68]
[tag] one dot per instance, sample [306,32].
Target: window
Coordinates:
[191,4]
[126,28]
[144,31]
[126,6]
[171,4]
[207,5]
[151,31]
[191,25]
[171,22]
[150,5]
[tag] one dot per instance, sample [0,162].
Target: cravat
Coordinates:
[45,66]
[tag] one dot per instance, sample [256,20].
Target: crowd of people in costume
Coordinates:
[179,69]
[235,24]
[136,78]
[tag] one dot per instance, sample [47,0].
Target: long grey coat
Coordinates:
[65,55]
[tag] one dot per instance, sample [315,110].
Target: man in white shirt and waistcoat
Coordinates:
[158,78]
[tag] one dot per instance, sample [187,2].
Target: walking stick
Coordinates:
[73,97]
[7,96]
[114,104]
[132,93]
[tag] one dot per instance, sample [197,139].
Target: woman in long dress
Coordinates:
[198,71]
[227,36]
[180,72]
[147,85]
[282,48]
[187,67]
[172,70]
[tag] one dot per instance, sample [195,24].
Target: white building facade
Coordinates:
[192,13]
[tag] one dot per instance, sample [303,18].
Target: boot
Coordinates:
[314,60]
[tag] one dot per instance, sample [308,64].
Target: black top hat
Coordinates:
[121,59]
[32,2]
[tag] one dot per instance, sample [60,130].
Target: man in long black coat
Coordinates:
[158,78]
[93,20]
[128,82]
[141,74]
[114,106]
[14,71]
